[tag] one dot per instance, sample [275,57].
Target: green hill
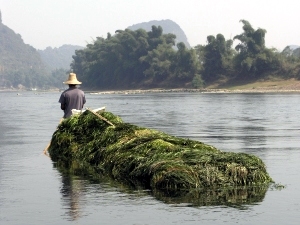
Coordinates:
[20,64]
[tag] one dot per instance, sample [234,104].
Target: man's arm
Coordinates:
[62,106]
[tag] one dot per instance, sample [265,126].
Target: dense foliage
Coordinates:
[216,58]
[253,57]
[140,59]
[132,59]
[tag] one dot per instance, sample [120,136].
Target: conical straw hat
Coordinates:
[72,79]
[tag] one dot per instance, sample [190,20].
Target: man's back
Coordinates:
[72,98]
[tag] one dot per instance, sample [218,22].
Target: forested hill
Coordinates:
[23,67]
[137,58]
[168,26]
[20,63]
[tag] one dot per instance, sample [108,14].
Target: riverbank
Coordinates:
[260,90]
[204,90]
[269,86]
[260,86]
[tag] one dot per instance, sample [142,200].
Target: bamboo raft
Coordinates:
[150,158]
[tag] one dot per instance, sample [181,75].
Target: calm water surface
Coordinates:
[33,191]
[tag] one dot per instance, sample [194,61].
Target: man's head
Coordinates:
[72,80]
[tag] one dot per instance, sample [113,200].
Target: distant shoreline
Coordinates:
[176,90]
[192,91]
[268,86]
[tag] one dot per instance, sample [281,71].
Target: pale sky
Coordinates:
[43,23]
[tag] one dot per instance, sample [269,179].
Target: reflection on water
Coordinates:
[77,177]
[232,197]
[72,192]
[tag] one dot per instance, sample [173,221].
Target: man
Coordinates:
[72,98]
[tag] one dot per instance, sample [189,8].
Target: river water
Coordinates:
[34,191]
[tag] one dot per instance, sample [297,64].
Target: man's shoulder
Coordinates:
[79,90]
[64,91]
[75,91]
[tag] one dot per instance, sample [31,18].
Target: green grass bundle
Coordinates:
[151,158]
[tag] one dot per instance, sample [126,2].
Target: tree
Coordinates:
[187,64]
[216,57]
[160,61]
[130,59]
[253,58]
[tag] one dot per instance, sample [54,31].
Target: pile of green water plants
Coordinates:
[151,158]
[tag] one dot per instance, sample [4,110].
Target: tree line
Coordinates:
[140,59]
[132,59]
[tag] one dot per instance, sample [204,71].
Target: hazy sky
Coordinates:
[43,23]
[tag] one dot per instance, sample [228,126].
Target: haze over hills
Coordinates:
[293,47]
[56,58]
[61,57]
[20,63]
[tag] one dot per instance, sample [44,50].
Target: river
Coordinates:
[33,191]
